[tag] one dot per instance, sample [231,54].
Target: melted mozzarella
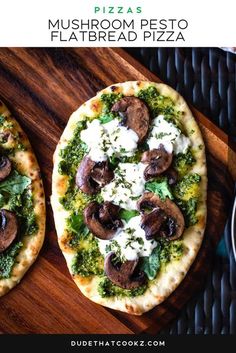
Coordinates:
[166,133]
[131,241]
[105,140]
[127,185]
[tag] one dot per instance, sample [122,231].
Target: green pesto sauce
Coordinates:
[88,261]
[189,209]
[159,104]
[23,206]
[107,289]
[187,187]
[183,162]
[168,251]
[186,193]
[76,199]
[7,260]
[108,99]
[73,153]
[18,145]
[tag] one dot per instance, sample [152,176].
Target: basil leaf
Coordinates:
[151,264]
[15,183]
[76,224]
[161,188]
[127,215]
[106,118]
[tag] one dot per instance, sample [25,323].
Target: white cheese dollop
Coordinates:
[105,140]
[166,133]
[127,185]
[131,241]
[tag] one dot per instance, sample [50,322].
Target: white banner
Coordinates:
[117,23]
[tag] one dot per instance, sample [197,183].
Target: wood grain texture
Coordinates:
[42,87]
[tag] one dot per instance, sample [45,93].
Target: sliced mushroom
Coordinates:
[158,160]
[92,176]
[124,274]
[172,224]
[152,222]
[134,114]
[172,176]
[8,229]
[102,219]
[5,167]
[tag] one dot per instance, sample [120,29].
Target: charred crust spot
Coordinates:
[114,88]
[95,106]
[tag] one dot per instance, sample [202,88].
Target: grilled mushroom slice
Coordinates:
[134,114]
[102,219]
[124,274]
[152,223]
[92,176]
[172,176]
[5,167]
[158,160]
[8,229]
[168,214]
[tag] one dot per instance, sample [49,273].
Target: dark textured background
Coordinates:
[206,77]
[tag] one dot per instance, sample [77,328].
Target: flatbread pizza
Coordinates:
[22,204]
[129,195]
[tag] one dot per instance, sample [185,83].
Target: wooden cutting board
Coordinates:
[42,87]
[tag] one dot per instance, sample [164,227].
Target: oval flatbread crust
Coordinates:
[168,279]
[26,164]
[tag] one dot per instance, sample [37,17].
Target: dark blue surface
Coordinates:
[206,77]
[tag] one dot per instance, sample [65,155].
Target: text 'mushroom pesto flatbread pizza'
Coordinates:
[22,205]
[129,195]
